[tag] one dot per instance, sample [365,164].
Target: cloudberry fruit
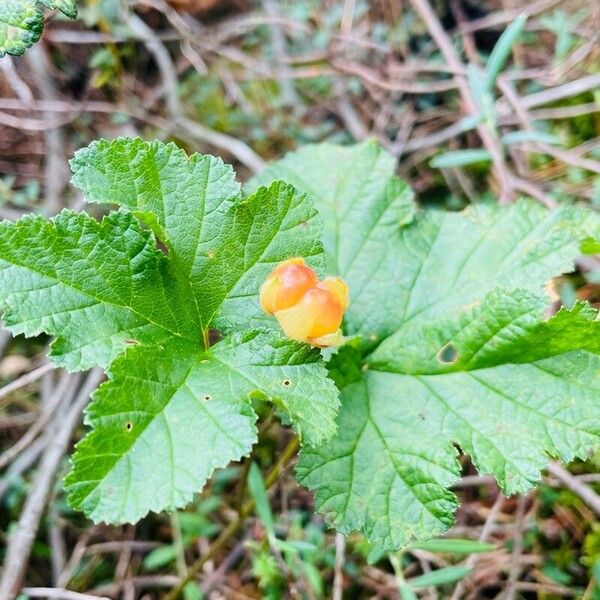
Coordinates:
[286,284]
[307,309]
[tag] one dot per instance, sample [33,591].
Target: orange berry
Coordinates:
[338,288]
[308,310]
[286,285]
[294,321]
[317,314]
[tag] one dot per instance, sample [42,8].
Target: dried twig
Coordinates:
[139,582]
[441,38]
[21,89]
[56,542]
[577,486]
[133,545]
[338,578]
[21,540]
[545,589]
[504,16]
[77,554]
[56,170]
[558,112]
[486,531]
[409,86]
[59,594]
[214,578]
[227,143]
[25,440]
[26,379]
[567,90]
[21,464]
[515,562]
[354,124]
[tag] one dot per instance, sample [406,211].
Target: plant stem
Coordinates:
[404,589]
[233,527]
[178,544]
[396,561]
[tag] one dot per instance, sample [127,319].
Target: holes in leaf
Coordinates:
[128,426]
[214,336]
[448,354]
[287,382]
[207,397]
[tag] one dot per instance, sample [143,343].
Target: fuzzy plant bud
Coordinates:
[308,310]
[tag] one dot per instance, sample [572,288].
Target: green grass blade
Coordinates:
[440,577]
[453,546]
[258,492]
[459,158]
[519,137]
[502,49]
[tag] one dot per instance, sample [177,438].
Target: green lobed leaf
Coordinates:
[170,415]
[145,299]
[458,352]
[515,389]
[21,25]
[399,273]
[22,22]
[380,474]
[96,285]
[222,245]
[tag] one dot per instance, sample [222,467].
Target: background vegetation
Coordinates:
[250,80]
